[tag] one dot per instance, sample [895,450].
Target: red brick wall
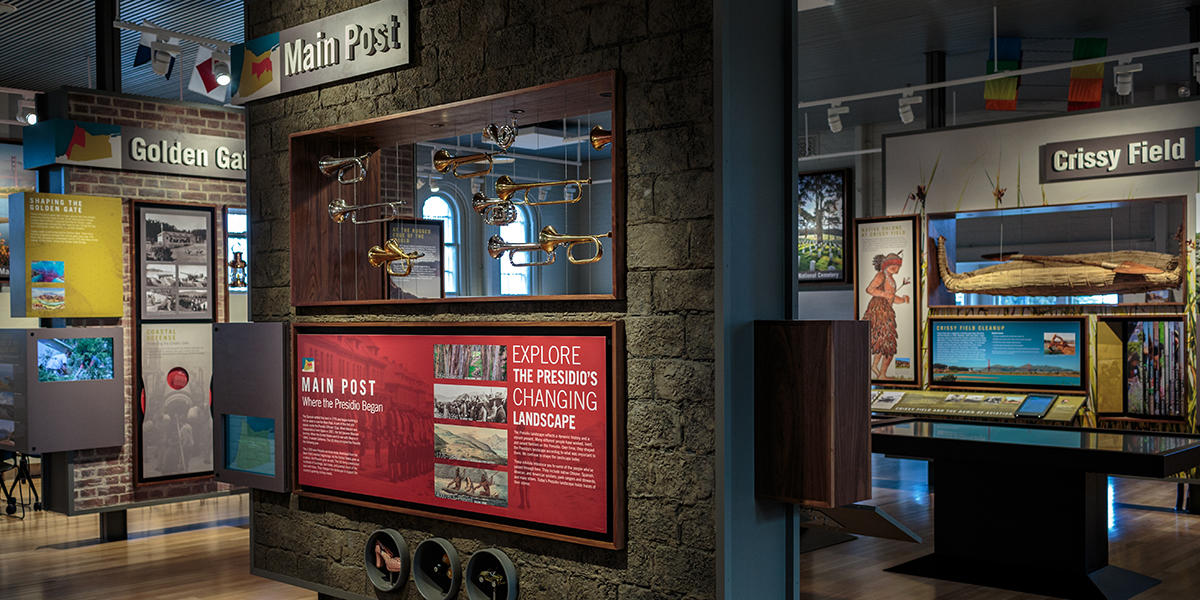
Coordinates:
[105,477]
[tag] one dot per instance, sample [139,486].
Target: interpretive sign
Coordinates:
[1021,353]
[66,256]
[886,268]
[176,425]
[505,429]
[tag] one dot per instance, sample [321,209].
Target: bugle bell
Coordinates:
[341,165]
[506,188]
[339,211]
[548,240]
[600,137]
[494,211]
[501,135]
[389,253]
[444,161]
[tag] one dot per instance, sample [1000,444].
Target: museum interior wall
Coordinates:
[663,51]
[106,478]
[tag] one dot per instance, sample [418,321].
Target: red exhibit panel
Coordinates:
[506,429]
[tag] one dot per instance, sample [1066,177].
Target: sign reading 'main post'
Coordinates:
[356,42]
[1120,155]
[66,256]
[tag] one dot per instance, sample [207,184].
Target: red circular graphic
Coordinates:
[177,378]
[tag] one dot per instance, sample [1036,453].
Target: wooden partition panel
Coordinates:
[812,412]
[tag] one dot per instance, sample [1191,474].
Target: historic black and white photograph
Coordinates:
[470,403]
[177,263]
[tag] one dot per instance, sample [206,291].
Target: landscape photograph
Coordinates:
[474,444]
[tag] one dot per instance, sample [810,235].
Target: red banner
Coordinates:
[498,425]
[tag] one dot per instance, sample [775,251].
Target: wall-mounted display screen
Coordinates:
[75,359]
[513,428]
[250,444]
[1029,353]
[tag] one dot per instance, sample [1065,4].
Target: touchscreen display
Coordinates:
[1035,405]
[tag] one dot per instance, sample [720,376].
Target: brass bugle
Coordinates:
[501,135]
[506,188]
[341,165]
[389,253]
[339,211]
[548,240]
[600,137]
[444,161]
[494,211]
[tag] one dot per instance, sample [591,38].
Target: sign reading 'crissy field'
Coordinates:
[356,42]
[1116,156]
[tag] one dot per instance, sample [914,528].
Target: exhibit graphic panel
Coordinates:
[176,260]
[175,427]
[61,389]
[886,292]
[66,256]
[823,201]
[1018,353]
[250,404]
[424,237]
[379,415]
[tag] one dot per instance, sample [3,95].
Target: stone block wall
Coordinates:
[105,477]
[464,49]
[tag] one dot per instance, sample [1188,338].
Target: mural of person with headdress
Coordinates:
[884,293]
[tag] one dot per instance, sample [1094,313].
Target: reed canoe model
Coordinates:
[1120,272]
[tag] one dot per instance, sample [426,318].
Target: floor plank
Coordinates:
[1146,535]
[179,551]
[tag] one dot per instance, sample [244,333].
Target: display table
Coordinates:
[1026,508]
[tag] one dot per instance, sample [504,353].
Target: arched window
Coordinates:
[439,207]
[516,281]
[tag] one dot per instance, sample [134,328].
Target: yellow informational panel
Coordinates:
[67,256]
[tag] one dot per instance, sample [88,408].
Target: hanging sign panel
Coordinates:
[349,44]
[509,429]
[1120,155]
[102,146]
[66,256]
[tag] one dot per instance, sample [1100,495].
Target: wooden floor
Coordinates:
[1145,535]
[199,549]
[182,551]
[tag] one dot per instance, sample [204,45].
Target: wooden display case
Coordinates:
[329,265]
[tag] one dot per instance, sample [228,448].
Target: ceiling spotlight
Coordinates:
[27,111]
[906,111]
[433,186]
[220,68]
[161,55]
[1123,77]
[834,114]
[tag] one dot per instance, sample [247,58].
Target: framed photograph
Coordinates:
[425,280]
[1020,353]
[887,293]
[823,201]
[175,259]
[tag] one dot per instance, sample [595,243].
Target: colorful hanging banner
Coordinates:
[1001,94]
[1087,82]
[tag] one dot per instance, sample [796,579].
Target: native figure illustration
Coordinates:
[884,293]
